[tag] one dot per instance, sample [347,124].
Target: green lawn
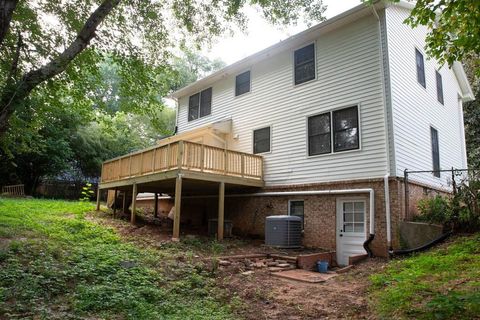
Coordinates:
[441,284]
[54,264]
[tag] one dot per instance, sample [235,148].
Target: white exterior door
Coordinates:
[351,223]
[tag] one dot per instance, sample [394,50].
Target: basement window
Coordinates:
[200,104]
[296,208]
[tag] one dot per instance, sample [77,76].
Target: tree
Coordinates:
[471,115]
[60,32]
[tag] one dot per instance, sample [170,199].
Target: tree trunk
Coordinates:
[14,94]
[6,12]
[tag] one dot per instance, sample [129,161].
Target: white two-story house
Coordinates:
[327,120]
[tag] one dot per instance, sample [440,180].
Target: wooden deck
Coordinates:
[192,160]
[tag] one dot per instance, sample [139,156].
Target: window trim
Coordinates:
[253,139]
[431,152]
[199,105]
[437,73]
[235,84]
[359,106]
[289,212]
[416,69]
[314,60]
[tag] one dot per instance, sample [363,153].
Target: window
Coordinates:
[304,60]
[296,208]
[354,216]
[345,131]
[261,140]
[242,83]
[345,128]
[435,152]
[200,104]
[319,134]
[439,87]
[420,68]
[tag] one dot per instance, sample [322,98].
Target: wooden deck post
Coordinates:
[178,203]
[221,211]
[124,204]
[134,204]
[155,206]
[115,202]
[98,199]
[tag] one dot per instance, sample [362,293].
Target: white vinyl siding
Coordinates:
[349,73]
[415,109]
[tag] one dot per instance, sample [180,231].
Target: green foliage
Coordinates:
[55,264]
[440,284]
[435,210]
[87,193]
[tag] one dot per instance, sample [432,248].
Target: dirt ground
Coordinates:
[265,296]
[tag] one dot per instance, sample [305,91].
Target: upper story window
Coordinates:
[435,152]
[304,60]
[242,83]
[261,140]
[319,134]
[439,87]
[200,104]
[339,127]
[345,128]
[420,68]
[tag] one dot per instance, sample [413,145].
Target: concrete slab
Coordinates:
[304,275]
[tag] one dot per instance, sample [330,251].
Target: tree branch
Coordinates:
[15,93]
[6,12]
[16,58]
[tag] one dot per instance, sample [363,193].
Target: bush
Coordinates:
[435,210]
[460,212]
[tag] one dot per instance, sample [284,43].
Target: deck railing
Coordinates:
[184,155]
[14,190]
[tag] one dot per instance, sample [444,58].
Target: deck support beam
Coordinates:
[115,202]
[134,204]
[221,211]
[98,198]
[178,204]
[155,206]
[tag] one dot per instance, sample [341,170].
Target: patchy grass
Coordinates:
[54,264]
[441,284]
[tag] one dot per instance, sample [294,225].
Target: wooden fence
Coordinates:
[17,190]
[187,156]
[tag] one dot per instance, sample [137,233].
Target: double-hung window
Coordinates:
[339,128]
[435,152]
[242,83]
[261,140]
[439,87]
[420,68]
[200,104]
[304,60]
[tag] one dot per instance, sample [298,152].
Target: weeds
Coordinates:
[54,264]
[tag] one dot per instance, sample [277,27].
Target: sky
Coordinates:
[260,34]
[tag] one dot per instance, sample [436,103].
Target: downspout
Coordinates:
[387,138]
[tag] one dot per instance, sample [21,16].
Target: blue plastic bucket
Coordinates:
[322,266]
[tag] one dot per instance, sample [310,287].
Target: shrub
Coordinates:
[435,210]
[87,193]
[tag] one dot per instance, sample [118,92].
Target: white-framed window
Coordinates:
[435,152]
[353,216]
[297,208]
[438,77]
